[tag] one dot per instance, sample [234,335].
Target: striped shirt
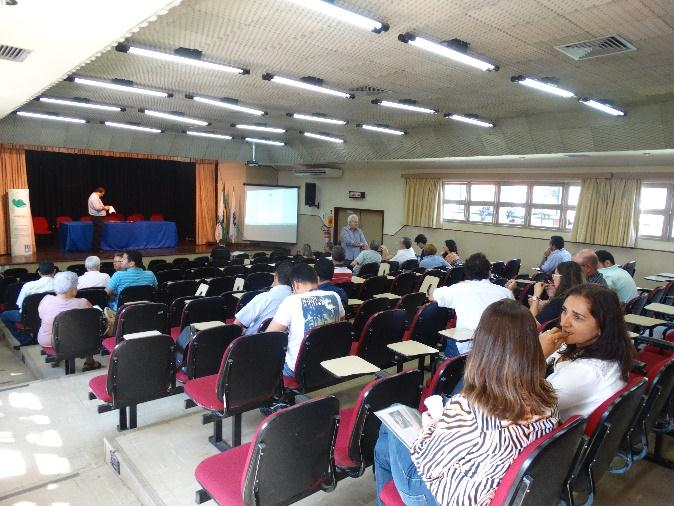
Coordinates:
[135,276]
[463,457]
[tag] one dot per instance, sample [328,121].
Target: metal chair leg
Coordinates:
[122,419]
[133,416]
[236,430]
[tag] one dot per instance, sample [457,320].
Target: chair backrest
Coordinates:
[242,256]
[363,426]
[456,275]
[429,283]
[29,314]
[157,217]
[156,261]
[96,296]
[135,217]
[630,267]
[78,269]
[429,320]
[409,265]
[176,309]
[203,309]
[259,254]
[14,272]
[159,267]
[141,370]
[260,266]
[291,455]
[251,371]
[382,329]
[410,303]
[220,284]
[166,275]
[540,472]
[636,305]
[258,281]
[62,219]
[142,317]
[85,218]
[76,333]
[326,342]
[29,276]
[657,294]
[180,260]
[404,283]
[367,309]
[234,270]
[369,269]
[445,378]
[40,225]
[171,290]
[512,268]
[497,268]
[12,291]
[373,286]
[207,348]
[136,293]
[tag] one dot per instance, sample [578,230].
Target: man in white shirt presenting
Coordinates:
[470,298]
[305,309]
[93,278]
[97,212]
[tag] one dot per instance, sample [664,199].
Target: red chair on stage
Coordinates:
[62,219]
[41,225]
[114,217]
[135,217]
[85,218]
[157,217]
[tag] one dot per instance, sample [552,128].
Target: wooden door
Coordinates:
[371,222]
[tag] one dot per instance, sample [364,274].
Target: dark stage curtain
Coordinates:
[61,183]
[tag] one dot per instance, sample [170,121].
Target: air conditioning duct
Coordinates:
[324,172]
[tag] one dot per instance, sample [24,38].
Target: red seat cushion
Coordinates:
[342,458]
[389,495]
[202,391]
[49,351]
[175,332]
[109,343]
[290,382]
[221,475]
[99,386]
[182,377]
[355,346]
[654,363]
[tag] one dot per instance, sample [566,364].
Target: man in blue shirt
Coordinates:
[132,275]
[264,305]
[352,239]
[554,255]
[618,279]
[325,270]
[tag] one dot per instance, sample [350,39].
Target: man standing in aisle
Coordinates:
[97,211]
[352,239]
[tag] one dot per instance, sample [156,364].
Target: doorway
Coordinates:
[371,222]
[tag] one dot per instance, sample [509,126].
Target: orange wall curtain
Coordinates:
[12,175]
[205,201]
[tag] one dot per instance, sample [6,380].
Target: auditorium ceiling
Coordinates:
[282,38]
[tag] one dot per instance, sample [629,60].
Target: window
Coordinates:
[656,211]
[548,206]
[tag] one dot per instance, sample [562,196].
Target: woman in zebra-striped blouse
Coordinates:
[505,404]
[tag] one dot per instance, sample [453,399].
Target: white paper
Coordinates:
[203,288]
[403,421]
[238,284]
[136,335]
[207,325]
[111,210]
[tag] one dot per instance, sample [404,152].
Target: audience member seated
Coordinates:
[11,317]
[132,274]
[265,305]
[342,272]
[617,278]
[305,309]
[450,252]
[598,355]
[367,256]
[505,404]
[325,270]
[65,287]
[406,252]
[420,240]
[589,262]
[93,278]
[431,260]
[118,262]
[470,298]
[352,238]
[554,255]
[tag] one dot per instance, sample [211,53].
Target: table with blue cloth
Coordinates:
[117,236]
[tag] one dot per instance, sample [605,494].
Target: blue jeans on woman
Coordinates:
[392,461]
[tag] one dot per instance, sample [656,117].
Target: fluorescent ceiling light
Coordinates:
[601,107]
[174,117]
[50,116]
[306,86]
[540,85]
[381,129]
[447,52]
[227,105]
[264,141]
[260,128]
[469,119]
[76,103]
[321,137]
[318,119]
[132,127]
[404,106]
[174,58]
[209,135]
[120,87]
[332,10]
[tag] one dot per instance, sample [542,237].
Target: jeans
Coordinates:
[10,318]
[454,348]
[392,461]
[287,371]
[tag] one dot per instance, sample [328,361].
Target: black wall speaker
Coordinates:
[310,194]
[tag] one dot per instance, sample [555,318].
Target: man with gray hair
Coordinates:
[367,256]
[352,238]
[93,278]
[589,264]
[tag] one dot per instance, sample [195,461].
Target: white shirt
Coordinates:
[301,312]
[263,306]
[44,284]
[93,279]
[403,255]
[95,205]
[469,299]
[583,384]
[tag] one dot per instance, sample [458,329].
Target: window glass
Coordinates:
[511,215]
[482,214]
[574,193]
[551,195]
[482,192]
[455,192]
[570,216]
[545,218]
[515,194]
[453,212]
[651,224]
[653,199]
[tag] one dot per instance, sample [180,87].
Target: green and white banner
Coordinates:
[20,222]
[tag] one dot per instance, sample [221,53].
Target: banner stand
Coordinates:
[20,222]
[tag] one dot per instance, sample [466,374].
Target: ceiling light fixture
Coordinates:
[259,128]
[323,137]
[444,49]
[382,129]
[54,117]
[600,106]
[328,8]
[231,104]
[174,117]
[80,103]
[264,141]
[127,87]
[542,86]
[317,117]
[209,135]
[194,59]
[307,83]
[132,127]
[406,105]
[470,119]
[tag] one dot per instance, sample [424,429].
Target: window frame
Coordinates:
[667,213]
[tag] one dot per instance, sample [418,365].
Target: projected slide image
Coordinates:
[271,214]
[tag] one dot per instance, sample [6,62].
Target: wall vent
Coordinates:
[594,48]
[327,172]
[13,53]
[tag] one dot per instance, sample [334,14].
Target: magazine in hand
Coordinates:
[403,421]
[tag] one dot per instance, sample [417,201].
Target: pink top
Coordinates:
[50,307]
